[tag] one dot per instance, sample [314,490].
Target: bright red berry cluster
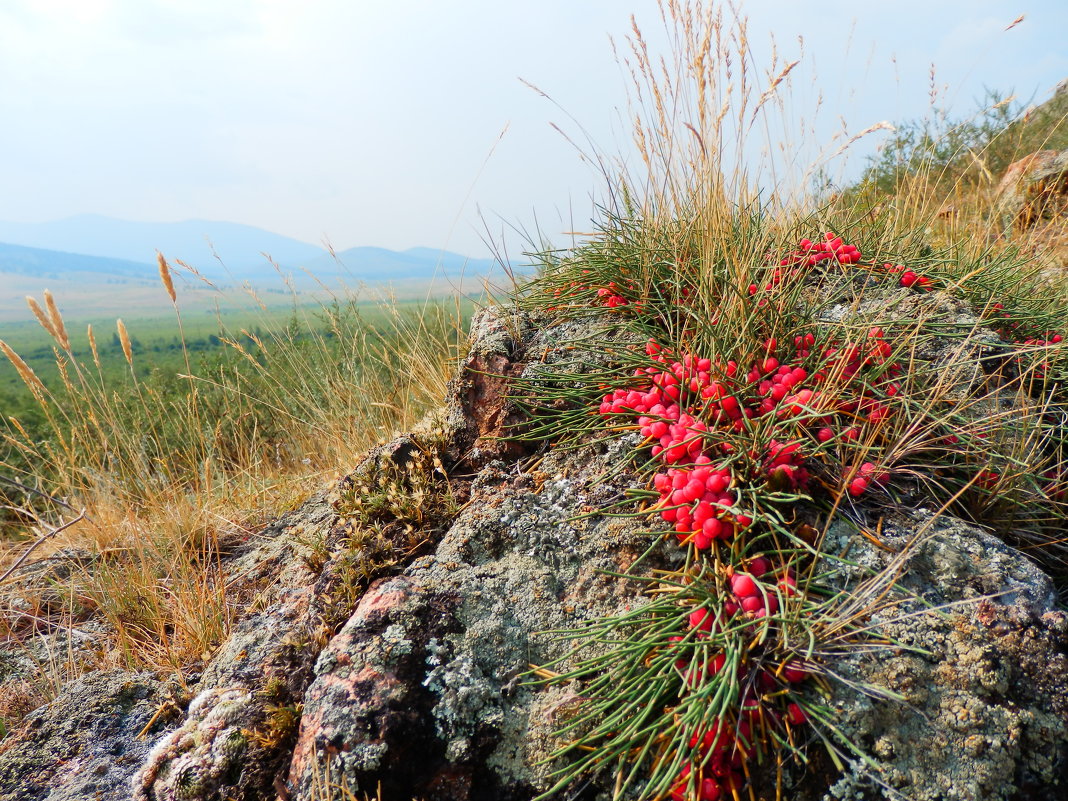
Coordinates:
[718,753]
[806,398]
[609,296]
[809,253]
[680,402]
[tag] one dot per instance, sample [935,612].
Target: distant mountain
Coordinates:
[378,264]
[19,260]
[196,242]
[103,246]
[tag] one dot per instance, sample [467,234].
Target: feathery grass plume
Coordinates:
[42,318]
[124,340]
[189,268]
[64,375]
[165,276]
[25,372]
[92,345]
[57,321]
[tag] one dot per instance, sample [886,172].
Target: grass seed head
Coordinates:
[59,330]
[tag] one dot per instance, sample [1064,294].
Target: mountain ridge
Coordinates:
[220,251]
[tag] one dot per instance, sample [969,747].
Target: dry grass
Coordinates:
[172,476]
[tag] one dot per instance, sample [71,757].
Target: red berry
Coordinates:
[715,664]
[743,586]
[752,604]
[710,790]
[759,566]
[701,619]
[795,714]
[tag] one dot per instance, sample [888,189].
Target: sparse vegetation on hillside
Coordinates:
[176,455]
[966,154]
[772,380]
[766,368]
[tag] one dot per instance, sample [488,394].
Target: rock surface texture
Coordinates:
[1034,188]
[409,678]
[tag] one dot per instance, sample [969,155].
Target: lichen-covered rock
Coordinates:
[424,689]
[411,678]
[979,660]
[88,742]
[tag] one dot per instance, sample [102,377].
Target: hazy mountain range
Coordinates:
[92,245]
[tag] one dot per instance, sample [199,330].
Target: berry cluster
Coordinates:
[608,296]
[805,398]
[699,503]
[910,278]
[809,253]
[680,402]
[718,753]
[913,279]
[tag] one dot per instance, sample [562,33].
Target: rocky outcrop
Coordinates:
[89,741]
[1033,189]
[352,675]
[982,679]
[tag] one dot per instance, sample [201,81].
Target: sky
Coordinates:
[405,123]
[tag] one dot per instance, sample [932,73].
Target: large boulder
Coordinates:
[351,675]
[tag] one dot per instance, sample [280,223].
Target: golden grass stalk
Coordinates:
[124,340]
[42,318]
[165,277]
[27,374]
[60,330]
[92,345]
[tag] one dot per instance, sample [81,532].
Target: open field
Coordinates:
[159,342]
[86,297]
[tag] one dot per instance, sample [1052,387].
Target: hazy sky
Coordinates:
[376,122]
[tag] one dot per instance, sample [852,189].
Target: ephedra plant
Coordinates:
[773,377]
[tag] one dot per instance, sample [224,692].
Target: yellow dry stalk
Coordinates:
[57,321]
[42,318]
[165,276]
[124,340]
[27,374]
[92,346]
[18,425]
[61,365]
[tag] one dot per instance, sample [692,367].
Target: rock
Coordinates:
[983,679]
[87,743]
[348,677]
[422,692]
[1032,189]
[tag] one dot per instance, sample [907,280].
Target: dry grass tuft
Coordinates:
[175,474]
